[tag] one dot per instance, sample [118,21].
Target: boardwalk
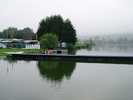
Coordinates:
[76,58]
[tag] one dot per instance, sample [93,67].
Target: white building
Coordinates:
[2,45]
[32,44]
[19,43]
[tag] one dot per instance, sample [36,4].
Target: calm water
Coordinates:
[59,80]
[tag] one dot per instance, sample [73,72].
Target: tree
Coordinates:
[13,32]
[55,24]
[68,34]
[1,35]
[49,41]
[26,34]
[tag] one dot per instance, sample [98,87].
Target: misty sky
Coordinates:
[88,16]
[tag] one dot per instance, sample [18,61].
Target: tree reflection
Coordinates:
[11,61]
[56,71]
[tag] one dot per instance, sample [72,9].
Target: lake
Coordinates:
[60,80]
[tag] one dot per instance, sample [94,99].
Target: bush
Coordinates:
[49,41]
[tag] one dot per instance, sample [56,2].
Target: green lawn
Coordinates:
[5,51]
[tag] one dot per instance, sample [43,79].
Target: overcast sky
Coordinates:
[87,16]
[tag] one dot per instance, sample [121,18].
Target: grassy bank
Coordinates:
[6,51]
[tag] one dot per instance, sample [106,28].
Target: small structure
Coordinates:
[62,45]
[32,44]
[11,43]
[19,43]
[57,51]
[16,43]
[62,49]
[2,45]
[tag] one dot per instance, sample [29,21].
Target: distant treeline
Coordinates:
[12,32]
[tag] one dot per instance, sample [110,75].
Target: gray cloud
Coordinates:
[88,16]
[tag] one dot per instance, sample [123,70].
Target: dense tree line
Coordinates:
[13,32]
[57,25]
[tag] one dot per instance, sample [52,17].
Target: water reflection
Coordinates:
[56,71]
[11,61]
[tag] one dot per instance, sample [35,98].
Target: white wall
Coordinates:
[32,46]
[2,45]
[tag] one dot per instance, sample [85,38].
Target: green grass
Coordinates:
[4,50]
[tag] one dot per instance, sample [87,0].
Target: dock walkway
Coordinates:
[76,58]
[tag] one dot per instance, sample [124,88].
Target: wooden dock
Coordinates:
[76,58]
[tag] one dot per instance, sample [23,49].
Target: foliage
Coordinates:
[49,41]
[88,44]
[26,34]
[12,32]
[69,34]
[62,28]
[71,49]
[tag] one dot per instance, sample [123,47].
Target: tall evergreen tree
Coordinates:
[55,24]
[69,33]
